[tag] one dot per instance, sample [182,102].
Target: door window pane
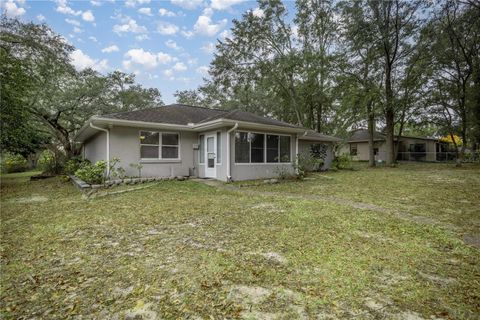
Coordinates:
[170,152]
[272,148]
[242,147]
[257,142]
[284,149]
[148,137]
[149,152]
[170,139]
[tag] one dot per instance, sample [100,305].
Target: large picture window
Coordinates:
[159,145]
[242,147]
[261,148]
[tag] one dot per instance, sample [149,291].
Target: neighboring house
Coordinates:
[409,148]
[185,140]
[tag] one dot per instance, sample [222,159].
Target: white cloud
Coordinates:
[169,74]
[112,48]
[164,58]
[172,44]
[208,47]
[145,11]
[95,3]
[81,61]
[205,26]
[224,4]
[226,34]
[203,70]
[187,34]
[41,17]
[166,13]
[129,25]
[73,22]
[142,37]
[133,3]
[180,67]
[259,13]
[166,28]
[62,7]
[12,11]
[93,38]
[88,16]
[145,59]
[77,30]
[188,4]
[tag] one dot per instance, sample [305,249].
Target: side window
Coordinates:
[353,149]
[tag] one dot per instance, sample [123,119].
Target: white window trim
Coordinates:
[159,159]
[264,149]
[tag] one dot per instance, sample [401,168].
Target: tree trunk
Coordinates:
[389,116]
[319,117]
[371,131]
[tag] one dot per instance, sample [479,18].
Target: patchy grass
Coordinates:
[184,249]
[440,191]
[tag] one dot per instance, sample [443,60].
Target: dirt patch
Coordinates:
[32,199]
[141,311]
[472,240]
[273,257]
[436,279]
[264,303]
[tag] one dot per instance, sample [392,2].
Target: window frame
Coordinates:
[352,147]
[160,145]
[264,149]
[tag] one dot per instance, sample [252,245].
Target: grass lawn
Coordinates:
[188,250]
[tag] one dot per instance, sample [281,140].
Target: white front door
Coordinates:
[210,156]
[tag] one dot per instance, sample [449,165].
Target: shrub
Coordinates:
[92,173]
[72,165]
[51,162]
[306,162]
[343,161]
[13,163]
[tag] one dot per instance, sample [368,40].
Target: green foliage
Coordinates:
[72,165]
[13,163]
[93,173]
[306,162]
[343,161]
[45,100]
[116,172]
[51,162]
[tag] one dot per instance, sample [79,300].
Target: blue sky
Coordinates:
[167,44]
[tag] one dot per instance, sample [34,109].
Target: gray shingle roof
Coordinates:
[362,135]
[174,114]
[315,136]
[185,114]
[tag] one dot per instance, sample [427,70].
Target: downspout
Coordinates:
[108,145]
[229,177]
